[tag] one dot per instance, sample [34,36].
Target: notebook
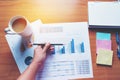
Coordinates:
[104,14]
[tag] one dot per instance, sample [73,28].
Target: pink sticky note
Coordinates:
[104,44]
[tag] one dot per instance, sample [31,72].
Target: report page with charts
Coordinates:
[71,60]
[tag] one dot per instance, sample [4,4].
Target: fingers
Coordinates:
[47,45]
[51,49]
[37,50]
[39,47]
[47,48]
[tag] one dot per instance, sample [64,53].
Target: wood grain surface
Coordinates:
[52,11]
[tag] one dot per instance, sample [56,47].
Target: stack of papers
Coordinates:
[69,61]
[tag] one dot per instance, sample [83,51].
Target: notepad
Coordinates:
[104,14]
[104,57]
[105,44]
[103,36]
[103,41]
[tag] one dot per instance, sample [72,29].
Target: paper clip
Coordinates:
[118,44]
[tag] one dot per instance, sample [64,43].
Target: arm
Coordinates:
[37,63]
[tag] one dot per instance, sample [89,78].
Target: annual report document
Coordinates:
[71,60]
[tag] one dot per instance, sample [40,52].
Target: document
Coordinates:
[68,61]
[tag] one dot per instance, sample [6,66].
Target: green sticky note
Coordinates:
[104,57]
[103,36]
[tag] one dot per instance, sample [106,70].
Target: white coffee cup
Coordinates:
[20,25]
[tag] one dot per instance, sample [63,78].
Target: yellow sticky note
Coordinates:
[104,57]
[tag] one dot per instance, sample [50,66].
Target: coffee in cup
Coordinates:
[20,25]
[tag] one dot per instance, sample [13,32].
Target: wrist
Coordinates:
[36,63]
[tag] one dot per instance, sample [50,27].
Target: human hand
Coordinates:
[41,52]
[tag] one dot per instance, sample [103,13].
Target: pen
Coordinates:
[42,44]
[118,44]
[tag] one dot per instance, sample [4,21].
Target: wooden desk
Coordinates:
[51,11]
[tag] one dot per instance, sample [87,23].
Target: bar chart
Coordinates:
[70,47]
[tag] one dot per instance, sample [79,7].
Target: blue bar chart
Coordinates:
[71,47]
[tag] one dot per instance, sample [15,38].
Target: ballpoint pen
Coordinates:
[42,44]
[118,44]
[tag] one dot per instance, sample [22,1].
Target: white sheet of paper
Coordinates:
[58,66]
[104,13]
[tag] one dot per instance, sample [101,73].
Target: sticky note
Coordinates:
[104,57]
[103,36]
[105,44]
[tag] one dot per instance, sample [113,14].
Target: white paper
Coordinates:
[104,13]
[58,66]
